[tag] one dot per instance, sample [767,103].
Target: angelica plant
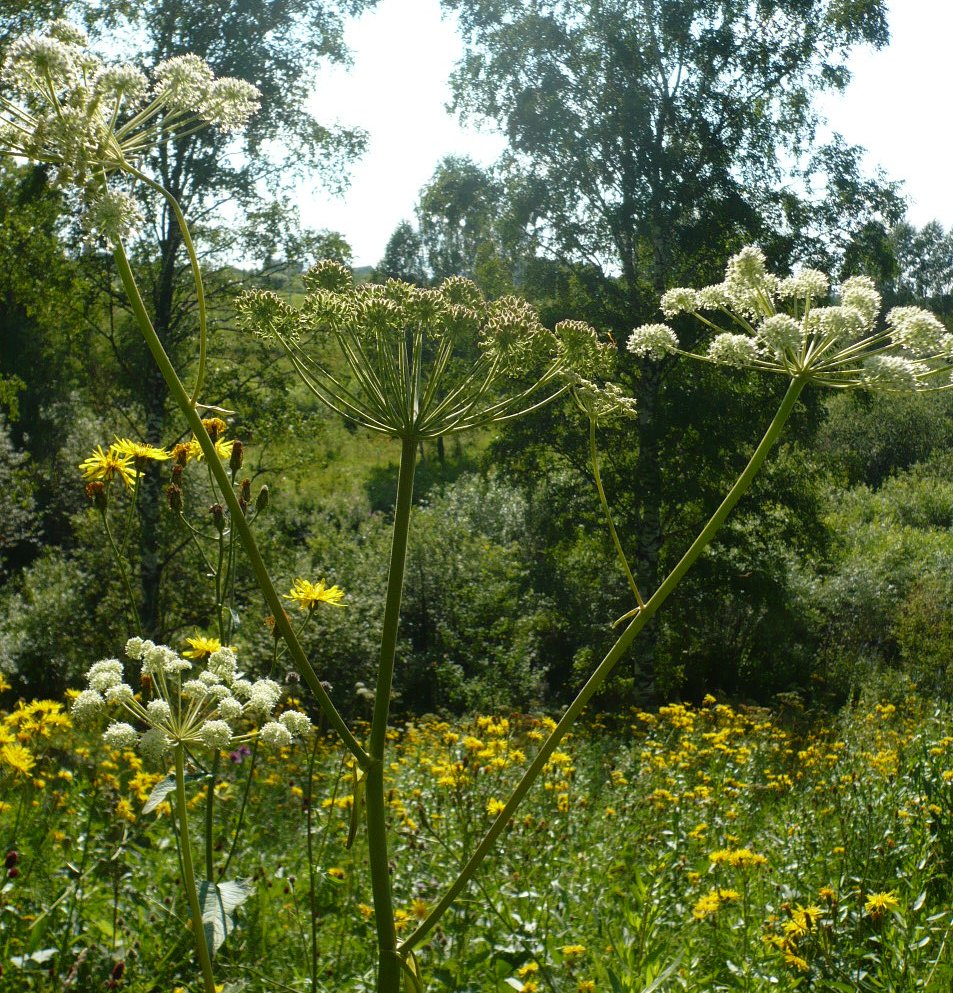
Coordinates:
[190,709]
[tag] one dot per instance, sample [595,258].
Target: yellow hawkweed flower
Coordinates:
[572,951]
[4,685]
[309,595]
[878,904]
[108,465]
[586,986]
[201,647]
[18,758]
[527,970]
[335,872]
[494,806]
[738,858]
[138,450]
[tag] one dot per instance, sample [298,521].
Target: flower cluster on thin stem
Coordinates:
[423,362]
[188,706]
[91,119]
[787,326]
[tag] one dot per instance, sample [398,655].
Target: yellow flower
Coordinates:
[586,986]
[18,758]
[137,450]
[527,970]
[879,903]
[572,951]
[738,858]
[4,685]
[108,465]
[309,595]
[336,872]
[494,806]
[202,647]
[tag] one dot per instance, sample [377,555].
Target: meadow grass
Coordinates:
[697,848]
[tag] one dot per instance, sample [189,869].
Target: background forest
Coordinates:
[647,143]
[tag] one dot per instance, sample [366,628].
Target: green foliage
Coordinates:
[885,601]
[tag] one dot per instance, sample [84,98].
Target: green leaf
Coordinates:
[409,965]
[165,786]
[219,901]
[159,792]
[358,789]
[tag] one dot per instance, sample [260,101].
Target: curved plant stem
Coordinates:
[389,965]
[241,811]
[594,457]
[598,677]
[188,873]
[239,523]
[123,576]
[196,272]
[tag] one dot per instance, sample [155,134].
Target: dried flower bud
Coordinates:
[218,516]
[216,427]
[13,856]
[178,471]
[261,501]
[96,492]
[181,454]
[237,456]
[174,496]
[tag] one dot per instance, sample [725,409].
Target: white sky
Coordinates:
[897,106]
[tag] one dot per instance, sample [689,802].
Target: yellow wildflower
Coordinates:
[137,450]
[201,647]
[18,758]
[878,904]
[308,595]
[108,465]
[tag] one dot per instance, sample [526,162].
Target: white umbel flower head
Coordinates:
[215,734]
[733,349]
[840,346]
[120,735]
[104,674]
[264,696]
[679,301]
[918,332]
[87,706]
[298,724]
[159,711]
[275,735]
[653,341]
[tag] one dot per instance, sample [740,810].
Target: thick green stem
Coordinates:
[188,873]
[210,819]
[596,475]
[595,681]
[238,521]
[389,969]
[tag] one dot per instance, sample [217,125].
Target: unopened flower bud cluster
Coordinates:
[188,706]
[425,362]
[785,326]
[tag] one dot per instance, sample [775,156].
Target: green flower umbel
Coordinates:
[417,363]
[776,327]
